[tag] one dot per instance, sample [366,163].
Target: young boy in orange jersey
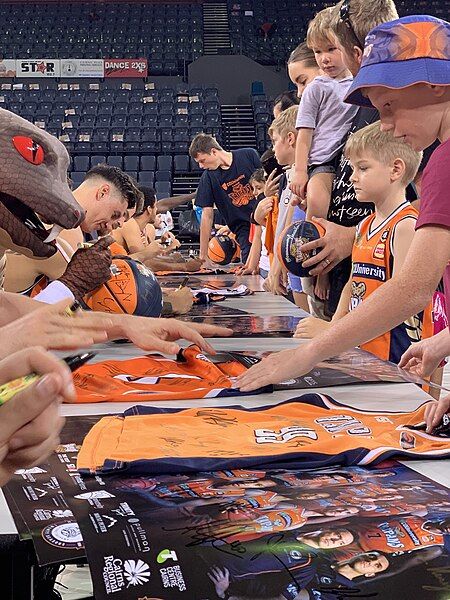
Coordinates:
[382,168]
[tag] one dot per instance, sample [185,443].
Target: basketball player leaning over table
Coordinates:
[225,184]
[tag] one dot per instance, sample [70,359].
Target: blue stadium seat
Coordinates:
[164,163]
[81,163]
[115,161]
[77,178]
[163,189]
[163,175]
[97,159]
[148,163]
[181,164]
[146,178]
[131,163]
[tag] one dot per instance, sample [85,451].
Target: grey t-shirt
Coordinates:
[322,108]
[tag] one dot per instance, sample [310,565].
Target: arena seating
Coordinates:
[142,129]
[289,23]
[168,35]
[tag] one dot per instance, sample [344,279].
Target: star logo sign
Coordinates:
[41,67]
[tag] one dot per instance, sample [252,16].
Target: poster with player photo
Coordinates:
[279,534]
[250,325]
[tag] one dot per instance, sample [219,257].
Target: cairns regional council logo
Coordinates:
[119,574]
[63,535]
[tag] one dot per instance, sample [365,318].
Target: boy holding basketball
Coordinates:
[382,168]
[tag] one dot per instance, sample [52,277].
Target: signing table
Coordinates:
[17,563]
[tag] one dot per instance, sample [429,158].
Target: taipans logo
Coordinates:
[165,555]
[28,149]
[136,572]
[63,535]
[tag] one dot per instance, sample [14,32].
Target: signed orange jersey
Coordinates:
[310,431]
[154,377]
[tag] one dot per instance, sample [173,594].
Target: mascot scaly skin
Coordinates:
[33,181]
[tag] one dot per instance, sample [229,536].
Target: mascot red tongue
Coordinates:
[33,181]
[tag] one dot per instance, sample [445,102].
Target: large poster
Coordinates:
[38,67]
[330,534]
[273,535]
[126,67]
[82,67]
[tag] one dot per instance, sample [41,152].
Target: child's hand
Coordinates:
[299,183]
[311,327]
[271,187]
[262,210]
[435,411]
[322,287]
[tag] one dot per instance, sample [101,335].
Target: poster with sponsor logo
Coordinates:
[327,534]
[82,67]
[35,494]
[126,67]
[38,67]
[252,534]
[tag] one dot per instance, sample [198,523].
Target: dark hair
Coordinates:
[125,184]
[203,143]
[287,99]
[259,175]
[149,201]
[304,54]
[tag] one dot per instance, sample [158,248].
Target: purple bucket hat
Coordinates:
[401,53]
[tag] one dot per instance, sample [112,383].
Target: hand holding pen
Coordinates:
[30,422]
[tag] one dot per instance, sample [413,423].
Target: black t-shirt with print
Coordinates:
[344,207]
[230,190]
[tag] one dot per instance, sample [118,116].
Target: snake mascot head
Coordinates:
[33,188]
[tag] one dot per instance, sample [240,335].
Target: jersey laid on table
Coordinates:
[372,266]
[154,377]
[310,431]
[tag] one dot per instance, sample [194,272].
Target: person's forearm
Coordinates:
[379,313]
[166,204]
[302,148]
[205,233]
[13,306]
[344,302]
[162,264]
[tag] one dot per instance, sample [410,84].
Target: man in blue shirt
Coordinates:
[225,184]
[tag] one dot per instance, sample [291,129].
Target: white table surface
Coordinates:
[376,396]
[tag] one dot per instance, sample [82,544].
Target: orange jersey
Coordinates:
[310,431]
[271,227]
[261,501]
[397,535]
[154,377]
[269,521]
[196,489]
[372,265]
[304,480]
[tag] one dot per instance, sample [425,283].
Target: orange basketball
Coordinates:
[132,289]
[222,249]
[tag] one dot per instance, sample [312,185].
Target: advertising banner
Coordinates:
[82,67]
[7,67]
[126,67]
[38,67]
